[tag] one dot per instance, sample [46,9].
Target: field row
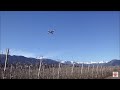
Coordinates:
[60,72]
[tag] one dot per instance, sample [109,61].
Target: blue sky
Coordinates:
[80,35]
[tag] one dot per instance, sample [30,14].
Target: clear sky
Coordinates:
[79,36]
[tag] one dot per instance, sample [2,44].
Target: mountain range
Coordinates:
[25,60]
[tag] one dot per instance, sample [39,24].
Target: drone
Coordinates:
[51,31]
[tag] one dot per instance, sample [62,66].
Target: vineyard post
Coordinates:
[72,69]
[59,70]
[6,60]
[82,70]
[39,67]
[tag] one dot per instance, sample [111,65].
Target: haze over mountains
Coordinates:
[26,60]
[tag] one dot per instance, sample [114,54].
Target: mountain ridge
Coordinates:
[29,60]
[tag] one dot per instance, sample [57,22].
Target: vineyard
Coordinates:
[55,72]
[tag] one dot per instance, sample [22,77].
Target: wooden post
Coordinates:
[88,69]
[43,71]
[93,71]
[72,69]
[53,70]
[6,60]
[58,70]
[39,68]
[11,71]
[101,71]
[81,72]
[97,71]
[82,69]
[29,71]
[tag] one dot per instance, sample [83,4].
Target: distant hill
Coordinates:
[25,60]
[21,59]
[114,62]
